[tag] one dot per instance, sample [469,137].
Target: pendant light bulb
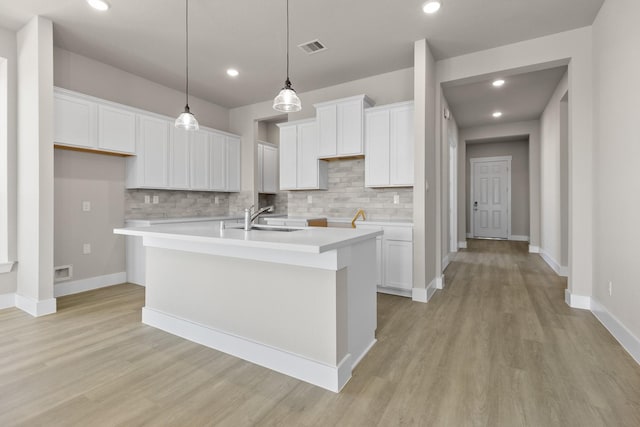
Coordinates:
[287,100]
[186,120]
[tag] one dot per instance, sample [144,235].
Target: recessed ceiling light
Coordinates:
[431,6]
[498,83]
[232,72]
[497,114]
[100,5]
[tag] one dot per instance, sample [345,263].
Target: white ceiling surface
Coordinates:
[522,97]
[364,37]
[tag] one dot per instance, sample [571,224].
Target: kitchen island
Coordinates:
[301,301]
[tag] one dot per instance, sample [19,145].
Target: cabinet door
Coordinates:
[116,129]
[233,164]
[327,131]
[179,159]
[401,146]
[199,160]
[270,170]
[218,162]
[350,128]
[260,168]
[376,159]
[154,150]
[307,174]
[288,157]
[74,121]
[398,264]
[379,263]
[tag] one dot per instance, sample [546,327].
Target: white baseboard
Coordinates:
[534,249]
[34,307]
[577,301]
[332,378]
[439,282]
[7,300]
[462,245]
[519,238]
[555,266]
[395,291]
[82,285]
[624,336]
[445,262]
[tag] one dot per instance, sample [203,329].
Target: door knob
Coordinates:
[475,206]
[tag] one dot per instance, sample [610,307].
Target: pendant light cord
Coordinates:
[186,18]
[287,40]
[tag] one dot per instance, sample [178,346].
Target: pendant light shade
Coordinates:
[186,120]
[287,100]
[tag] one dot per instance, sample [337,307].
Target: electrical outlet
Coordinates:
[216,200]
[86,248]
[396,199]
[156,200]
[86,206]
[309,199]
[147,199]
[610,288]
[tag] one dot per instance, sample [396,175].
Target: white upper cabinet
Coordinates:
[150,167]
[75,121]
[116,129]
[179,159]
[218,162]
[200,160]
[340,128]
[83,121]
[233,163]
[389,141]
[267,168]
[300,168]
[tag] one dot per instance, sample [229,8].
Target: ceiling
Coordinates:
[364,37]
[522,97]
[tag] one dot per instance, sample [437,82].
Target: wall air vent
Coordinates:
[314,46]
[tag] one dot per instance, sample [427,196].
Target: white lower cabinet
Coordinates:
[394,258]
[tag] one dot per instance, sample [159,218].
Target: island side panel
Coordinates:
[290,308]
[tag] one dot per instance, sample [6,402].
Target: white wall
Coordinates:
[551,177]
[98,179]
[427,250]
[35,166]
[530,129]
[519,152]
[85,75]
[8,147]
[617,150]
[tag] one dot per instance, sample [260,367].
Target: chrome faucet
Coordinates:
[250,216]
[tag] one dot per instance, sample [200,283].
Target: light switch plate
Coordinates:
[309,199]
[86,248]
[156,200]
[147,199]
[86,206]
[216,200]
[396,199]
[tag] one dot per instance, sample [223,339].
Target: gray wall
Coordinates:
[519,151]
[8,194]
[98,179]
[347,193]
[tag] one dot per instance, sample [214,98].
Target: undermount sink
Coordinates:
[272,228]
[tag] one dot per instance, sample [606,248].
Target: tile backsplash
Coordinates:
[175,204]
[347,193]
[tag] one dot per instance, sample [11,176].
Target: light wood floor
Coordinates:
[497,347]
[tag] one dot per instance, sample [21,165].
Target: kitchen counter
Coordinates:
[300,302]
[145,222]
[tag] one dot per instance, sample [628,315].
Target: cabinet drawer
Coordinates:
[398,233]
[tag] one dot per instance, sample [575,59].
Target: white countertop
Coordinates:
[393,222]
[308,240]
[145,222]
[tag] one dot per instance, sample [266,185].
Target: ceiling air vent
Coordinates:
[314,46]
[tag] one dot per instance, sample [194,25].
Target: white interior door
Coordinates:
[490,208]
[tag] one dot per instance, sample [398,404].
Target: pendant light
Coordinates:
[287,101]
[187,120]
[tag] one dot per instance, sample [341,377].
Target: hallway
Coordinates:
[497,347]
